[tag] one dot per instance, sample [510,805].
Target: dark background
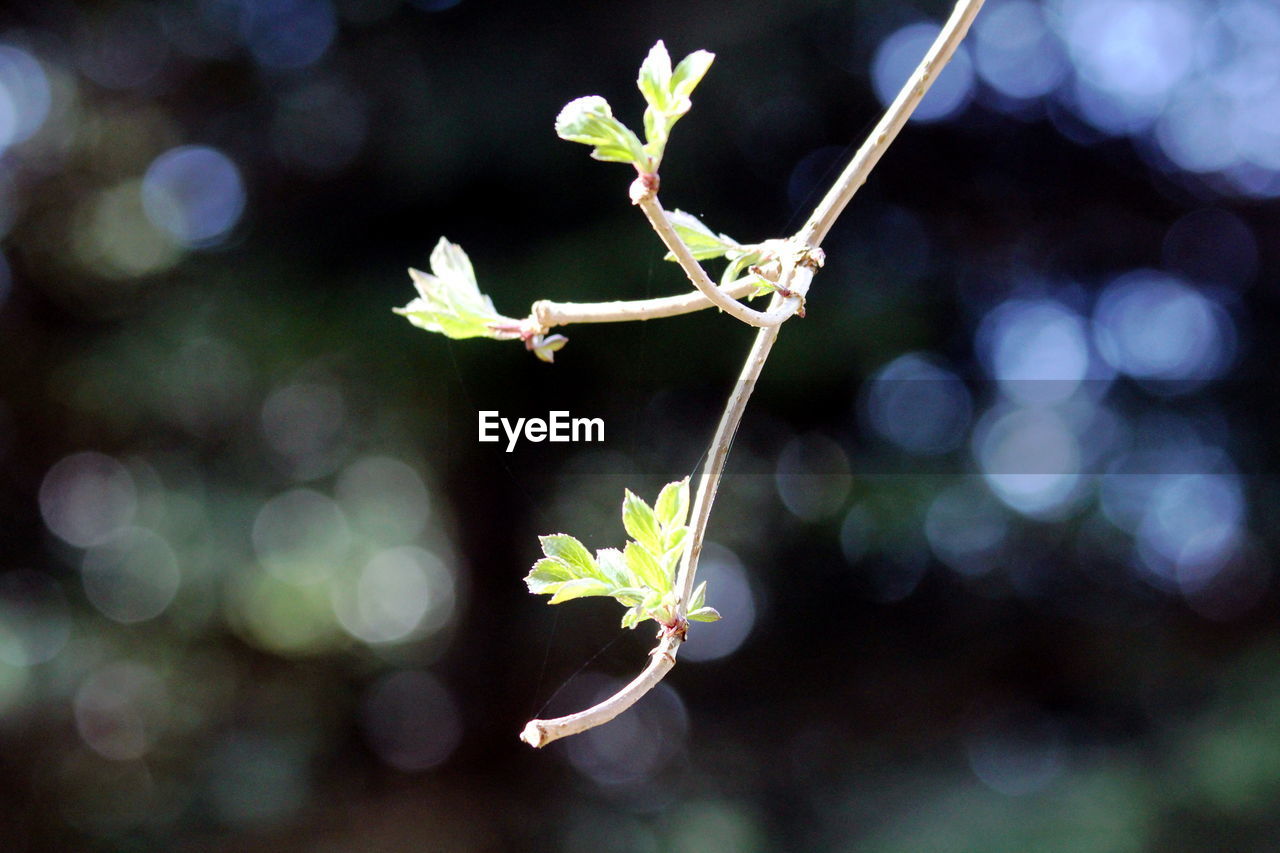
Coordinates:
[996,546]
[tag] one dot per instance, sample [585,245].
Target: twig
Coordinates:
[548,314]
[799,265]
[648,202]
[539,733]
[709,480]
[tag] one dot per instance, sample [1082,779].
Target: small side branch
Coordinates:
[539,733]
[547,315]
[648,202]
[709,480]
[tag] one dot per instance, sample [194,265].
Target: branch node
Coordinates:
[811,257]
[541,316]
[644,187]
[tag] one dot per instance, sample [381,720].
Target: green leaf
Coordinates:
[590,121]
[629,595]
[680,86]
[655,78]
[698,611]
[688,74]
[640,522]
[734,269]
[763,287]
[699,597]
[547,575]
[657,129]
[645,569]
[652,601]
[613,566]
[563,547]
[655,85]
[450,302]
[672,505]
[633,617]
[674,542]
[703,243]
[449,262]
[580,588]
[704,614]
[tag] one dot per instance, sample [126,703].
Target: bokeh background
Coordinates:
[996,551]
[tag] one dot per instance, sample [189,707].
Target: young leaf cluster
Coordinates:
[449,301]
[641,576]
[666,91]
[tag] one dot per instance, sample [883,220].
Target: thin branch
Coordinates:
[798,267]
[548,314]
[648,202]
[539,733]
[855,174]
[709,480]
